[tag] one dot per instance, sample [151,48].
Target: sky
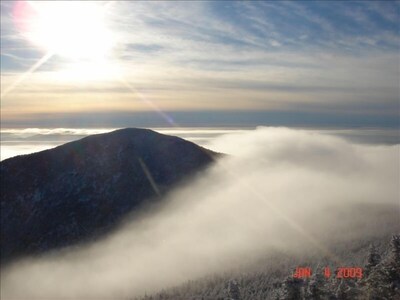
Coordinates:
[205,63]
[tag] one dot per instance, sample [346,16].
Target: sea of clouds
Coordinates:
[278,191]
[28,140]
[25,141]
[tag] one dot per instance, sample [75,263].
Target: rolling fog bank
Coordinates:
[280,190]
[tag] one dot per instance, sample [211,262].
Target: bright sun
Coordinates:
[72,29]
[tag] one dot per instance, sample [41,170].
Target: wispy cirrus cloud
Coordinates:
[265,55]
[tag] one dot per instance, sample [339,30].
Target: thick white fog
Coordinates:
[279,190]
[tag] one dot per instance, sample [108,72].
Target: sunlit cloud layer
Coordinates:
[293,56]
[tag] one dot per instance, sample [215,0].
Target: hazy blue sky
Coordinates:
[286,63]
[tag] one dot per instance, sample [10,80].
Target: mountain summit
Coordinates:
[60,196]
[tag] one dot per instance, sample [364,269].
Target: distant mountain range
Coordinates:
[76,191]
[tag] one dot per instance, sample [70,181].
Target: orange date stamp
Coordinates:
[341,272]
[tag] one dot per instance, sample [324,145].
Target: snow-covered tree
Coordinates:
[392,266]
[291,289]
[383,282]
[373,260]
[316,287]
[233,290]
[377,284]
[341,290]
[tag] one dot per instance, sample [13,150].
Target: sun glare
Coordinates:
[72,29]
